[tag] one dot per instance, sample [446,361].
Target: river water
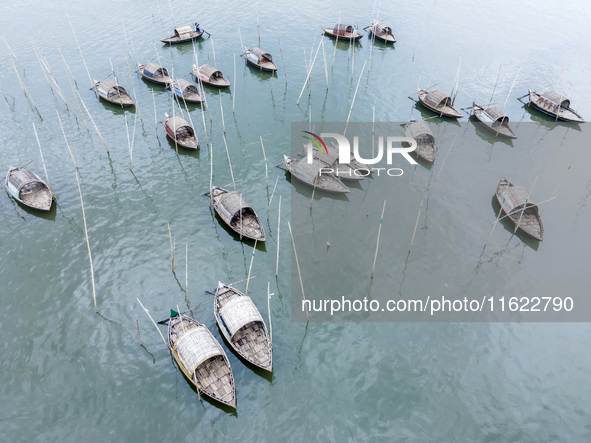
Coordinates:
[69,374]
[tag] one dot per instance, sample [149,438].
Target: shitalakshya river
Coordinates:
[68,374]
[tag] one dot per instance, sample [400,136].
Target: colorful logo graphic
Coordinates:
[318,139]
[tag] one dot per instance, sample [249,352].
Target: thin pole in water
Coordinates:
[222,109]
[416,225]
[378,242]
[83,214]
[525,205]
[171,248]
[41,152]
[266,168]
[230,164]
[269,311]
[354,95]
[234,89]
[271,199]
[155,325]
[278,232]
[298,266]
[308,76]
[250,267]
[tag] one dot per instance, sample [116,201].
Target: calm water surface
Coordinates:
[69,374]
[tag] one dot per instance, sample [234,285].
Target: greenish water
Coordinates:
[68,374]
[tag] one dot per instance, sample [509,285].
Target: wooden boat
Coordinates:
[155,73]
[555,105]
[494,120]
[201,358]
[237,213]
[27,188]
[210,75]
[113,93]
[438,102]
[420,131]
[343,32]
[186,91]
[260,59]
[180,132]
[353,171]
[513,199]
[310,174]
[381,32]
[184,34]
[243,327]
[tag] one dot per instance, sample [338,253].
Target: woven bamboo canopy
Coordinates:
[233,205]
[183,85]
[438,98]
[111,88]
[195,347]
[341,27]
[239,312]
[180,126]
[420,131]
[515,198]
[381,27]
[210,71]
[184,32]
[19,178]
[154,70]
[556,98]
[261,54]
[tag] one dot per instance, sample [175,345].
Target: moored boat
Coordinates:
[380,31]
[27,188]
[438,102]
[210,76]
[420,131]
[201,358]
[155,73]
[353,171]
[260,59]
[494,120]
[315,174]
[181,132]
[519,206]
[237,213]
[113,93]
[184,34]
[343,32]
[243,327]
[555,105]
[186,91]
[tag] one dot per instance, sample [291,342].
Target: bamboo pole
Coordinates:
[375,258]
[272,194]
[336,44]
[210,172]
[325,64]
[259,27]
[266,168]
[282,60]
[41,153]
[269,311]
[213,50]
[79,49]
[557,186]
[496,221]
[128,141]
[93,123]
[525,205]
[40,64]
[187,270]
[137,104]
[46,67]
[278,237]
[234,88]
[354,96]
[308,76]
[250,267]
[83,214]
[155,325]
[442,165]
[171,248]
[155,115]
[298,266]
[23,87]
[222,109]
[138,332]
[230,163]
[416,225]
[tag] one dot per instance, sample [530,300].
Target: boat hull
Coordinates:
[352,38]
[176,40]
